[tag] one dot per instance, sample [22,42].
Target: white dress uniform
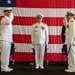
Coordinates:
[39,39]
[70,40]
[6,39]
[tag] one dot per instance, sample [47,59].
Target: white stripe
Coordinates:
[53,30]
[32,12]
[53,48]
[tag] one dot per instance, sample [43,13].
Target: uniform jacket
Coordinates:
[39,33]
[70,32]
[6,28]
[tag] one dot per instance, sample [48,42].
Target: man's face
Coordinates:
[39,20]
[69,17]
[6,13]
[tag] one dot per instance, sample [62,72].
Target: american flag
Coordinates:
[24,16]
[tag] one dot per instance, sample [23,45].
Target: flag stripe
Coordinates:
[26,56]
[28,21]
[31,20]
[32,12]
[45,3]
[53,48]
[23,38]
[52,30]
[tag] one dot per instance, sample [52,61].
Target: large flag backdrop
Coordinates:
[24,16]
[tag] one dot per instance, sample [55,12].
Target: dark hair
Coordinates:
[5,10]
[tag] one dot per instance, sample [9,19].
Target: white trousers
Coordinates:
[39,54]
[71,58]
[5,54]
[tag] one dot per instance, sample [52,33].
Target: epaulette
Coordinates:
[71,20]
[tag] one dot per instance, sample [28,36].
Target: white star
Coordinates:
[8,1]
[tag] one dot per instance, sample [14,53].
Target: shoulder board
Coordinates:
[71,20]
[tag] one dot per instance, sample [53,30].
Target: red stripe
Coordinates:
[45,3]
[1,17]
[18,38]
[28,21]
[26,56]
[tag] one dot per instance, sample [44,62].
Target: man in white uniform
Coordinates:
[6,39]
[70,41]
[39,40]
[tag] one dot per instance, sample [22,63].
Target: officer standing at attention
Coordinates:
[6,39]
[70,41]
[39,40]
